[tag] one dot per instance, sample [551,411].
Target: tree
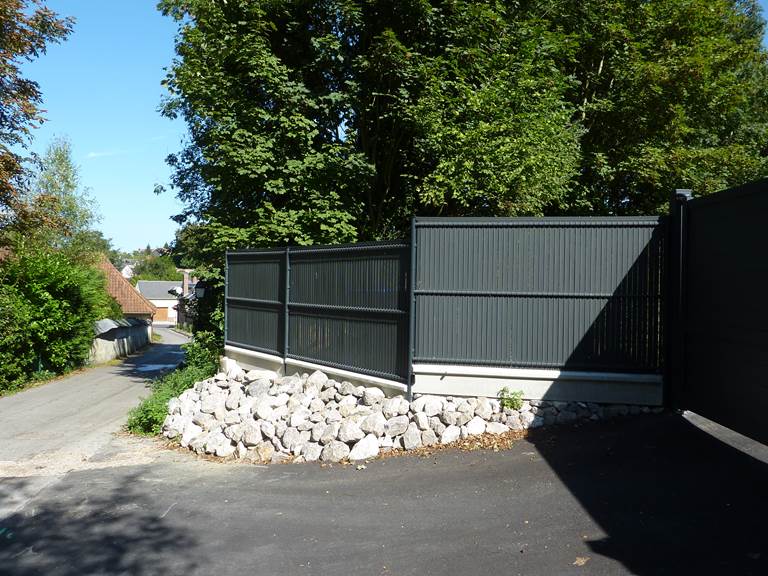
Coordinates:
[327,122]
[335,121]
[57,193]
[671,94]
[155,268]
[27,28]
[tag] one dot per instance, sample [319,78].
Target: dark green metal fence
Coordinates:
[565,293]
[569,293]
[341,306]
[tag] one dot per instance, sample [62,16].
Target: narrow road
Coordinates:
[51,429]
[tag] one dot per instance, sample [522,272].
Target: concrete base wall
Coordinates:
[459,380]
[119,343]
[252,359]
[538,384]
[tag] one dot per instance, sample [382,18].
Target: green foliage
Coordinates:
[671,94]
[48,306]
[155,268]
[203,351]
[28,26]
[338,121]
[17,358]
[512,400]
[147,418]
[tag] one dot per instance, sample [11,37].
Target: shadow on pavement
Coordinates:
[118,533]
[154,361]
[671,498]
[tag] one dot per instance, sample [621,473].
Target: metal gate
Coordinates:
[723,291]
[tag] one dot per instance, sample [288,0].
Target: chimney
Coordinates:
[185,284]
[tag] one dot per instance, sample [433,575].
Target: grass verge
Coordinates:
[147,418]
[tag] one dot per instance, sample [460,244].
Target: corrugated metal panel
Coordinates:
[347,305]
[580,293]
[255,328]
[370,345]
[355,278]
[255,297]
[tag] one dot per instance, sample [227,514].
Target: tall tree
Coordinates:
[671,94]
[65,211]
[27,28]
[336,120]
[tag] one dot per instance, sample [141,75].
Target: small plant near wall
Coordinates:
[513,400]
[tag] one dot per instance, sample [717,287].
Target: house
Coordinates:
[164,295]
[127,271]
[133,304]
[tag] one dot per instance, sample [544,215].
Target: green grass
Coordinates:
[147,418]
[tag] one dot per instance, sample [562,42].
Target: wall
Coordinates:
[119,343]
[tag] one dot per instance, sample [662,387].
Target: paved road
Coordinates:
[51,429]
[647,495]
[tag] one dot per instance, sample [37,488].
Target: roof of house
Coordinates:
[131,302]
[158,289]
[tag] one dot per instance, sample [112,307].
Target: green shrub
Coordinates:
[513,400]
[203,351]
[48,306]
[147,418]
[17,358]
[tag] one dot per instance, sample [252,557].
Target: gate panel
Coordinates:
[726,309]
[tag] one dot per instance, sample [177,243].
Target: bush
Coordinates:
[17,358]
[203,351]
[48,306]
[147,418]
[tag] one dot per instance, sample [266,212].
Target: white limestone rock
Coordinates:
[350,431]
[334,451]
[496,428]
[396,425]
[412,437]
[366,448]
[450,434]
[372,395]
[374,424]
[476,426]
[311,451]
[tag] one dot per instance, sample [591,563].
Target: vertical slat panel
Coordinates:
[570,293]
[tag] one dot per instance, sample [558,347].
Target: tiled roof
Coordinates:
[126,295]
[158,289]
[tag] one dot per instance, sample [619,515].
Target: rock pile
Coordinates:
[265,417]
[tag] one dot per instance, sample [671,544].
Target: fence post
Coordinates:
[411,310]
[674,381]
[226,297]
[286,301]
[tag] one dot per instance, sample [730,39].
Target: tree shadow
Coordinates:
[81,529]
[671,498]
[152,362]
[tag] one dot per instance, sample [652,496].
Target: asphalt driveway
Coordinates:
[51,429]
[646,495]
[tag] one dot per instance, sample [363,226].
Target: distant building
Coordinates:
[127,271]
[164,295]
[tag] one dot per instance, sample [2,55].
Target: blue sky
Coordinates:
[101,88]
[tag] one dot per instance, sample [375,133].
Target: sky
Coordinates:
[101,89]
